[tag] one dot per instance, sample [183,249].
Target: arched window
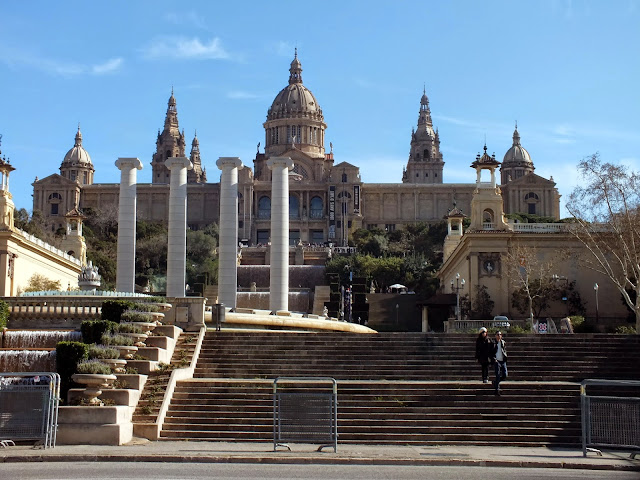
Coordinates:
[531,199]
[294,206]
[426,155]
[487,219]
[264,208]
[54,201]
[317,209]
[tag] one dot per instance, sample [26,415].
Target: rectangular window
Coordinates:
[532,208]
[262,237]
[390,227]
[317,236]
[294,237]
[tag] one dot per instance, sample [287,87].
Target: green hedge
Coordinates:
[112,309]
[92,330]
[4,314]
[68,355]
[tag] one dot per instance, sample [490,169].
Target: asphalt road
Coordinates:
[239,471]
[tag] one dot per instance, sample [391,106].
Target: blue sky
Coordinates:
[567,71]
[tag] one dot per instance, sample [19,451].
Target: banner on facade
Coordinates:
[332,211]
[356,199]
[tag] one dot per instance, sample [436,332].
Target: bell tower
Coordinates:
[170,143]
[425,163]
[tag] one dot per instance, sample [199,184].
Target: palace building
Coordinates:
[328,199]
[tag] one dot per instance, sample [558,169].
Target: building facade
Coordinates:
[327,201]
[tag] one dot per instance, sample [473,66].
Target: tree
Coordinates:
[40,283]
[606,209]
[531,274]
[482,306]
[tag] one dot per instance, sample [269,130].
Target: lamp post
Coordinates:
[595,289]
[458,286]
[397,309]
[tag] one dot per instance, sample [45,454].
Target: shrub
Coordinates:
[68,355]
[145,307]
[94,366]
[136,316]
[128,328]
[102,352]
[92,330]
[116,339]
[580,325]
[113,309]
[131,371]
[4,314]
[626,330]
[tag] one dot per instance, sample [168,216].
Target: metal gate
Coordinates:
[29,407]
[610,421]
[305,412]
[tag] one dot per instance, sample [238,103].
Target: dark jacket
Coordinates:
[494,350]
[483,349]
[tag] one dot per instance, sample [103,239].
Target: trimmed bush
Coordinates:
[135,316]
[102,352]
[127,328]
[116,339]
[145,307]
[94,366]
[626,330]
[4,314]
[92,330]
[68,355]
[112,310]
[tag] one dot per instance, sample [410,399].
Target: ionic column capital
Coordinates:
[125,162]
[226,162]
[274,162]
[178,162]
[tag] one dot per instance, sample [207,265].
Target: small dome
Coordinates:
[77,156]
[517,153]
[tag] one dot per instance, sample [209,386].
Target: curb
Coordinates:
[316,461]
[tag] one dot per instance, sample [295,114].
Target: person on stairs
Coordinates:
[484,353]
[499,358]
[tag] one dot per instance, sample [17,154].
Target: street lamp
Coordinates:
[595,289]
[458,286]
[397,308]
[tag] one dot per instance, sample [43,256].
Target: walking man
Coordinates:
[499,356]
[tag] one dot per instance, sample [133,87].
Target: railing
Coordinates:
[316,214]
[453,325]
[29,407]
[55,307]
[49,247]
[610,421]
[488,226]
[303,413]
[540,227]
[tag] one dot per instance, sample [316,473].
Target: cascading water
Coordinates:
[38,338]
[27,361]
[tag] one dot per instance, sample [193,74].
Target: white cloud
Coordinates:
[109,66]
[63,68]
[185,48]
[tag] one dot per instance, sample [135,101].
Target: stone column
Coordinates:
[279,272]
[177,241]
[125,273]
[228,248]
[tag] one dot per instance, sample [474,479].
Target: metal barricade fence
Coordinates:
[610,421]
[303,413]
[29,407]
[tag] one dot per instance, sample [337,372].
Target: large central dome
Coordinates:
[295,100]
[295,120]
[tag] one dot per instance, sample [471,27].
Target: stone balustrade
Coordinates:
[48,247]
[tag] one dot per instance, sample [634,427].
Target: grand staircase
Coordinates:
[398,387]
